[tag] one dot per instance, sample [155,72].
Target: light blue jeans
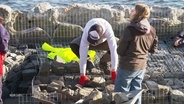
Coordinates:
[127,80]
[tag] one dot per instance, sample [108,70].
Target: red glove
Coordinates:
[113,75]
[83,79]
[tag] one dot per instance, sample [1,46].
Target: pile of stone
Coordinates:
[54,81]
[58,82]
[20,66]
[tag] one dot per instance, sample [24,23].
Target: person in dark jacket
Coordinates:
[4,39]
[138,40]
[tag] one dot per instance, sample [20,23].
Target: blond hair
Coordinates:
[142,11]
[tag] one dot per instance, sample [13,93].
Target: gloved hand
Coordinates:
[113,75]
[83,79]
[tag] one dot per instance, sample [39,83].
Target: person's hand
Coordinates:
[83,79]
[113,75]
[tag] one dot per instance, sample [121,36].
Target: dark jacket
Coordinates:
[138,40]
[4,39]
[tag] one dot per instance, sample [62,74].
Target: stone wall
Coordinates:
[65,23]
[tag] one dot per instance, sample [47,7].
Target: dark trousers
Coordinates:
[75,44]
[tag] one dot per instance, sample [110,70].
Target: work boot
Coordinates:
[105,67]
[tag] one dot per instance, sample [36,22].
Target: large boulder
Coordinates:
[66,32]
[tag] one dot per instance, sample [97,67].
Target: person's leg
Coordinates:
[75,49]
[123,81]
[105,59]
[136,83]
[105,64]
[74,45]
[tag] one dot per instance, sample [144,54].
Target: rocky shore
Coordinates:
[56,24]
[163,81]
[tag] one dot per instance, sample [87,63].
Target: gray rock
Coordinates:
[120,98]
[65,32]
[177,95]
[94,95]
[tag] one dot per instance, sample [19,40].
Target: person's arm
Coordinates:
[83,51]
[114,57]
[113,53]
[112,43]
[154,46]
